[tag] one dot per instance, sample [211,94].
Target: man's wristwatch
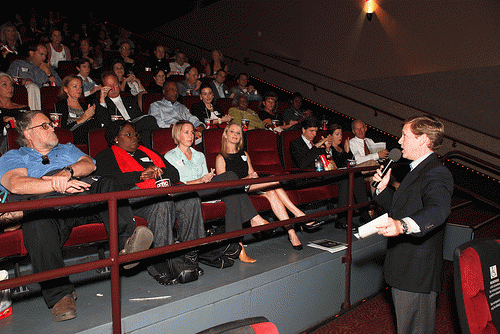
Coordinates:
[70,170]
[404,225]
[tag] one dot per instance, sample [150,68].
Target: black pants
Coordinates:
[239,207]
[46,231]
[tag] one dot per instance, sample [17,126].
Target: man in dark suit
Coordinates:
[219,88]
[415,227]
[112,106]
[303,150]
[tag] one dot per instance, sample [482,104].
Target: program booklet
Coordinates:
[328,245]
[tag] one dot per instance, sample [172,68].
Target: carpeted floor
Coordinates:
[375,316]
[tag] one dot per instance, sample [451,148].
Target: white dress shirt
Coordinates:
[357,148]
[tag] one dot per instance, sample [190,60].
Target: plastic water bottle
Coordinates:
[5,302]
[318,164]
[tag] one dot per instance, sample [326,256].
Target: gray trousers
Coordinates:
[162,212]
[415,312]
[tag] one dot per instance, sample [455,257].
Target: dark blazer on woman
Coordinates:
[414,261]
[201,112]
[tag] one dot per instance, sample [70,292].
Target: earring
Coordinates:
[116,141]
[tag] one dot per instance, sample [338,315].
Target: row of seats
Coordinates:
[49,96]
[269,153]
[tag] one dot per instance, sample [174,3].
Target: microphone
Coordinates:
[394,156]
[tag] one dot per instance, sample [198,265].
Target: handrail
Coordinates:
[462,155]
[376,109]
[115,259]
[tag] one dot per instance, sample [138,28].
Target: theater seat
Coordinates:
[20,95]
[148,99]
[263,150]
[163,141]
[188,101]
[257,325]
[65,136]
[48,97]
[97,142]
[211,145]
[225,104]
[473,307]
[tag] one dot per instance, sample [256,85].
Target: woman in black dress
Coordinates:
[233,158]
[341,155]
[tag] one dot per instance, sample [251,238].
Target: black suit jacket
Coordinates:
[104,113]
[216,92]
[302,156]
[414,261]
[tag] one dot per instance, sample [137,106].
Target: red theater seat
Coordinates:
[225,104]
[163,141]
[211,145]
[97,142]
[20,95]
[148,99]
[473,307]
[48,97]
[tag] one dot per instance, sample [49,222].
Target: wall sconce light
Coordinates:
[369,9]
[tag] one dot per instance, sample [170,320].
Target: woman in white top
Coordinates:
[192,168]
[55,50]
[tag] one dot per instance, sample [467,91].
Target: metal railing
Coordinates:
[115,259]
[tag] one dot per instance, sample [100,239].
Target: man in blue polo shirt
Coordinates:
[43,168]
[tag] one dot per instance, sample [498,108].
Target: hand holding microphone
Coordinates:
[393,157]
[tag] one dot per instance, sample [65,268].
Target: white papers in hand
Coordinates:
[369,228]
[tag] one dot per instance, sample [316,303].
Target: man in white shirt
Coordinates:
[364,149]
[220,89]
[169,111]
[179,65]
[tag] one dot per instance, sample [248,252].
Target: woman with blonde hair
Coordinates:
[233,158]
[192,168]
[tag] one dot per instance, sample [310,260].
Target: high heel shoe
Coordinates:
[298,247]
[312,227]
[244,256]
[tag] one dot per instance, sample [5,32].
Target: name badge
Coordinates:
[24,69]
[244,157]
[146,159]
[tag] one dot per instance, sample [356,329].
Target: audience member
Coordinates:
[85,52]
[294,114]
[128,63]
[341,154]
[112,106]
[128,81]
[8,109]
[239,111]
[243,88]
[159,78]
[55,50]
[191,85]
[137,167]
[43,168]
[179,65]
[192,168]
[208,107]
[9,44]
[220,90]
[268,110]
[234,158]
[89,86]
[365,149]
[215,64]
[33,73]
[75,117]
[158,60]
[303,149]
[169,111]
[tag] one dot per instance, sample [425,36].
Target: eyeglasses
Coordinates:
[45,159]
[135,134]
[45,126]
